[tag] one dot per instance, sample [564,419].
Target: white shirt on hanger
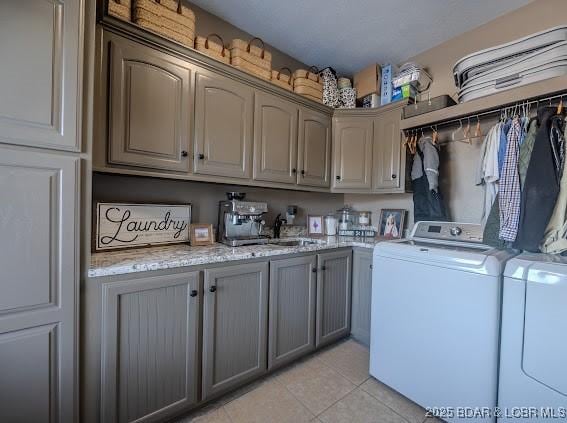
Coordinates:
[488,173]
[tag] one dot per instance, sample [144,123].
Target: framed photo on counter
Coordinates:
[201,234]
[392,223]
[315,225]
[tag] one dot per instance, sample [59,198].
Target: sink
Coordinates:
[293,242]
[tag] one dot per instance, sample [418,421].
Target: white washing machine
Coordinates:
[533,358]
[435,325]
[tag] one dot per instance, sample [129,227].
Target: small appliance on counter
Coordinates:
[241,222]
[347,217]
[290,215]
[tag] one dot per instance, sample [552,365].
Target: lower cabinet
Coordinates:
[150,347]
[292,309]
[361,295]
[235,317]
[333,296]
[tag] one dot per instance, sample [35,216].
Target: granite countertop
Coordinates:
[181,255]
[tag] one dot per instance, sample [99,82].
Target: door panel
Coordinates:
[275,139]
[40,73]
[314,144]
[292,309]
[223,126]
[353,153]
[333,296]
[361,296]
[234,326]
[150,98]
[38,284]
[387,151]
[150,349]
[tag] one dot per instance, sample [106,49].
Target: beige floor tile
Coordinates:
[315,384]
[360,407]
[217,415]
[400,404]
[269,402]
[350,359]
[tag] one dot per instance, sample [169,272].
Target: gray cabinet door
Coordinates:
[38,285]
[41,53]
[235,317]
[275,139]
[333,296]
[352,145]
[223,126]
[314,146]
[292,309]
[150,104]
[387,151]
[361,295]
[150,347]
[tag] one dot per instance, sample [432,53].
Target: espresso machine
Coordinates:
[241,222]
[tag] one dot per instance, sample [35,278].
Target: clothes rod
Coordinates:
[476,116]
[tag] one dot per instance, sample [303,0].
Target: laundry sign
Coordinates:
[121,225]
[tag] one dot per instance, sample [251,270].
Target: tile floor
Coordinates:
[330,386]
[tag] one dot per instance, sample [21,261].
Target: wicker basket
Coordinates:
[168,18]
[312,73]
[210,48]
[121,9]
[282,80]
[251,68]
[310,97]
[303,90]
[304,82]
[251,53]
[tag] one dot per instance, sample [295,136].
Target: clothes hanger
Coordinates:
[467,130]
[560,106]
[456,130]
[434,135]
[477,131]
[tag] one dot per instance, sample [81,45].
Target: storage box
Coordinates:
[371,100]
[405,91]
[386,86]
[367,81]
[427,106]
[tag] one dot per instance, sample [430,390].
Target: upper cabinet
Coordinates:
[387,160]
[352,144]
[150,103]
[223,126]
[41,73]
[275,139]
[314,147]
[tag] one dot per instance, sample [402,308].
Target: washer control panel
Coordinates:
[451,231]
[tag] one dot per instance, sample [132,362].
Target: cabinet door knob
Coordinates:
[394,176]
[314,270]
[213,288]
[323,268]
[293,170]
[338,178]
[184,153]
[371,266]
[193,293]
[201,157]
[302,172]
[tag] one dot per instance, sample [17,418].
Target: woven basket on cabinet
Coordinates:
[210,48]
[282,80]
[308,84]
[121,9]
[251,58]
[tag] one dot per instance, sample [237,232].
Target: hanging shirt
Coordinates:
[526,150]
[487,172]
[542,184]
[504,128]
[430,164]
[555,237]
[510,194]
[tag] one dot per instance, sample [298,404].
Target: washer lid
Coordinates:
[461,256]
[535,267]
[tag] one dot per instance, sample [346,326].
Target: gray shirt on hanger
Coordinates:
[430,162]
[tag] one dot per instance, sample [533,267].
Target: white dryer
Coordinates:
[533,359]
[435,325]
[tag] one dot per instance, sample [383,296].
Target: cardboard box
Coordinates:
[367,81]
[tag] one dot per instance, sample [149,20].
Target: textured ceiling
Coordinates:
[349,35]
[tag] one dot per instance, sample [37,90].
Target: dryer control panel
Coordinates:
[448,231]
